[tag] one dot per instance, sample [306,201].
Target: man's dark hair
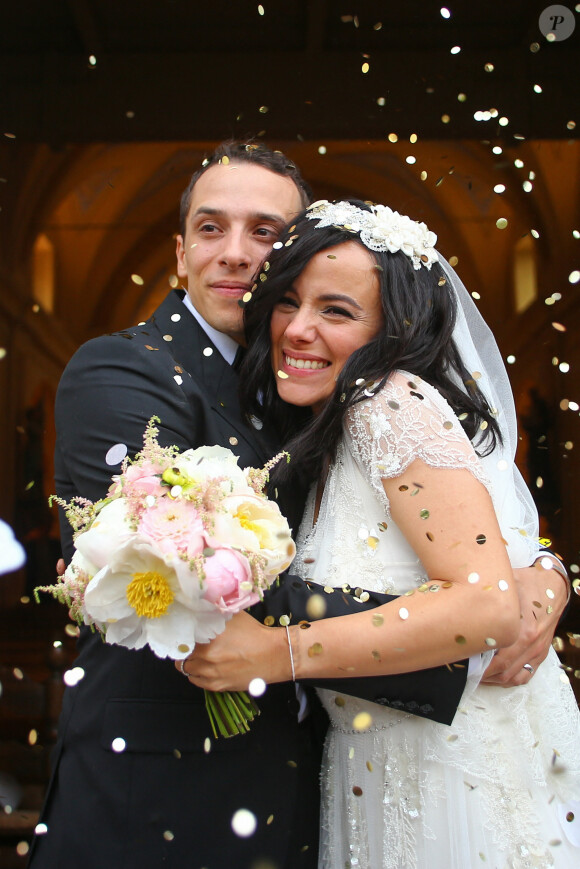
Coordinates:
[419,310]
[245,152]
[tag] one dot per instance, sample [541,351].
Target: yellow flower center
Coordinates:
[149,594]
[255,527]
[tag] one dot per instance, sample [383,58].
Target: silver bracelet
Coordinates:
[557,565]
[291,653]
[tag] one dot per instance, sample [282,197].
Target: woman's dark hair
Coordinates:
[250,151]
[419,311]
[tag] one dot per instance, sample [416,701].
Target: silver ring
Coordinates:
[182,667]
[529,668]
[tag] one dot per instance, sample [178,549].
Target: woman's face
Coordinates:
[332,309]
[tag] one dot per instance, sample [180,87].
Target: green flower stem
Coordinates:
[229,712]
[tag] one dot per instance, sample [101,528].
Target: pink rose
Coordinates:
[224,573]
[174,526]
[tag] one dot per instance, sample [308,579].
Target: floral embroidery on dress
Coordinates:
[407,420]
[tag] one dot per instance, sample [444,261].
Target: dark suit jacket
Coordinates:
[165,800]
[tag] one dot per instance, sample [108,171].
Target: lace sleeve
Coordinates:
[408,419]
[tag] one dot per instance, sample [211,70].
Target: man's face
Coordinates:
[237,212]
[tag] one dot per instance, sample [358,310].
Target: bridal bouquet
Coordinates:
[182,542]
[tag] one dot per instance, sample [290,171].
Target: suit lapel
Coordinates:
[195,353]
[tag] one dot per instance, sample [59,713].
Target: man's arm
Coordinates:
[434,693]
[107,394]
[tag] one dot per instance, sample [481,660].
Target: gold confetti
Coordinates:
[269,820]
[168,836]
[424,514]
[282,375]
[501,223]
[316,606]
[376,655]
[314,649]
[340,701]
[460,640]
[489,641]
[378,620]
[225,160]
[269,621]
[362,721]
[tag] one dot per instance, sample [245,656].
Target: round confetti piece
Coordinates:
[362,721]
[244,823]
[282,375]
[40,830]
[502,585]
[357,791]
[118,744]
[403,613]
[316,607]
[460,640]
[168,836]
[116,454]
[314,649]
[257,687]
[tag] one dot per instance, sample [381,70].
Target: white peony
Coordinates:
[143,597]
[254,524]
[109,530]
[205,463]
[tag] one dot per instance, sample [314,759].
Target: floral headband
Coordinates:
[380,229]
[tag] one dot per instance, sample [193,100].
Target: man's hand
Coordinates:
[543,594]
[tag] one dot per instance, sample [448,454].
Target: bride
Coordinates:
[396,406]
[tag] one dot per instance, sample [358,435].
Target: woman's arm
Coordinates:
[448,518]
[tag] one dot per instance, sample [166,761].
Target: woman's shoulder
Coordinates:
[405,392]
[405,419]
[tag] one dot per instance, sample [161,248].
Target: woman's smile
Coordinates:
[331,310]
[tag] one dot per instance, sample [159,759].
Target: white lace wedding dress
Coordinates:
[485,791]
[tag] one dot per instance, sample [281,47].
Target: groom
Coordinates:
[169,797]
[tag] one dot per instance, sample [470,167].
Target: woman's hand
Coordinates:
[537,626]
[246,650]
